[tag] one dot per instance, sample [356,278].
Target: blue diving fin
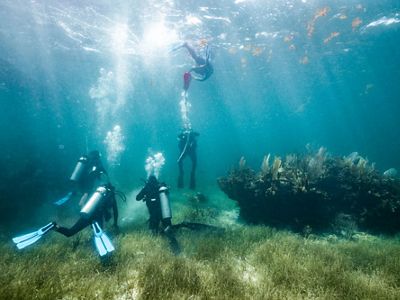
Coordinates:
[103,243]
[64,199]
[31,238]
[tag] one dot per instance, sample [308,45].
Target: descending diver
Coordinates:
[203,69]
[187,145]
[155,194]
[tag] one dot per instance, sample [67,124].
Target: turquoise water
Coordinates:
[286,74]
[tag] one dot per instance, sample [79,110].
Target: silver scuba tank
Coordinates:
[92,204]
[80,168]
[164,201]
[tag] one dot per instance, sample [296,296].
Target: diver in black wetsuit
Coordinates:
[150,193]
[155,195]
[89,174]
[187,145]
[203,69]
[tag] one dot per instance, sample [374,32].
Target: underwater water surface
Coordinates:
[289,77]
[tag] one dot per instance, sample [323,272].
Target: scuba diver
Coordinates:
[155,194]
[95,211]
[203,68]
[88,174]
[88,171]
[187,145]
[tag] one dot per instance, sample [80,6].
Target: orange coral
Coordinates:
[288,38]
[356,22]
[311,25]
[203,42]
[305,60]
[331,36]
[257,51]
[322,12]
[232,50]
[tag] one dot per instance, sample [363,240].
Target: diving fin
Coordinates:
[103,243]
[64,199]
[31,238]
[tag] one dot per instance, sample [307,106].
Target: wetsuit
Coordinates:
[187,145]
[151,195]
[203,69]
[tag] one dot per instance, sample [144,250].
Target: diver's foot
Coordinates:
[56,226]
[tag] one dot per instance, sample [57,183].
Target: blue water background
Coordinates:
[277,85]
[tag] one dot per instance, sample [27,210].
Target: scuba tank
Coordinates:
[80,168]
[164,201]
[94,201]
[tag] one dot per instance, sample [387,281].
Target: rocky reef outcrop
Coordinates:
[316,191]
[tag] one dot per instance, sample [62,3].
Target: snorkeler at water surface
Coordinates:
[203,68]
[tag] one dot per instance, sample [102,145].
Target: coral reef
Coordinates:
[314,190]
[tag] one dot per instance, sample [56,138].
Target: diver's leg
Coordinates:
[100,221]
[153,225]
[166,223]
[198,59]
[169,234]
[154,220]
[193,157]
[187,78]
[78,226]
[180,176]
